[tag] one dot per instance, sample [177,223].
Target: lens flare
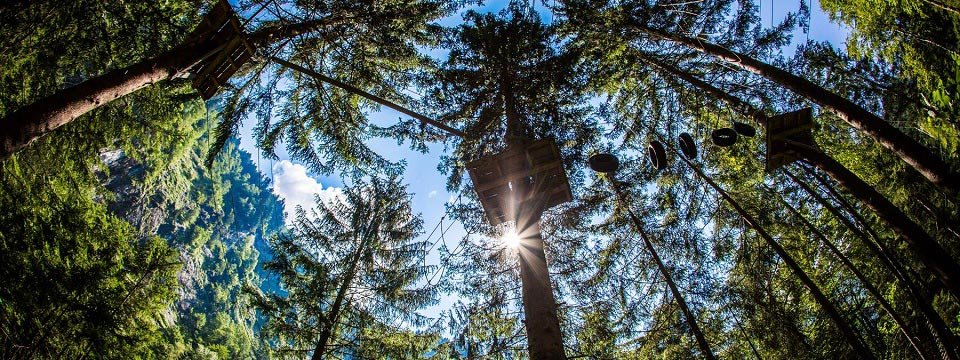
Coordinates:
[511,240]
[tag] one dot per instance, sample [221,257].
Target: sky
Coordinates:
[298,186]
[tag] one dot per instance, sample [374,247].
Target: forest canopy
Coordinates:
[634,179]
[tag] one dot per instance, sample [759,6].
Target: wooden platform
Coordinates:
[795,126]
[222,26]
[529,175]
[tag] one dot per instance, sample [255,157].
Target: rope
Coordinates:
[439,225]
[249,19]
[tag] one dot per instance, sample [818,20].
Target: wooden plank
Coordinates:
[220,25]
[796,126]
[539,160]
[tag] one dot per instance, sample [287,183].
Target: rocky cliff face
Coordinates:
[217,218]
[123,178]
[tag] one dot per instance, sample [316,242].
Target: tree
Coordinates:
[509,86]
[705,349]
[637,17]
[357,32]
[927,249]
[350,270]
[902,33]
[82,279]
[851,337]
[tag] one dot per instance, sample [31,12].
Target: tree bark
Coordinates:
[867,284]
[333,317]
[911,151]
[928,251]
[944,338]
[542,324]
[23,126]
[857,345]
[933,210]
[544,338]
[687,314]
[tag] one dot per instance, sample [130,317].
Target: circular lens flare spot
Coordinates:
[511,240]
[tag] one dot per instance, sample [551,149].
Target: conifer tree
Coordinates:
[507,84]
[640,17]
[350,272]
[367,44]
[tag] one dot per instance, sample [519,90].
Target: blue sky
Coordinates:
[297,185]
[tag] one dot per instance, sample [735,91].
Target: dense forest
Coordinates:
[637,179]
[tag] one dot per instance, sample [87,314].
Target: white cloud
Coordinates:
[296,187]
[432,194]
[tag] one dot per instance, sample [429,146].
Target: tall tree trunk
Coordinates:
[911,151]
[753,348]
[946,270]
[943,6]
[544,338]
[944,338]
[867,284]
[876,246]
[23,126]
[849,334]
[738,105]
[935,257]
[333,316]
[687,314]
[941,217]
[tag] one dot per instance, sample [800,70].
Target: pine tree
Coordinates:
[350,271]
[365,42]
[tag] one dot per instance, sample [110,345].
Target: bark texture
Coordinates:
[544,338]
[849,334]
[928,251]
[931,166]
[28,123]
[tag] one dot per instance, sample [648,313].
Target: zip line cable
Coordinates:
[357,91]
[249,19]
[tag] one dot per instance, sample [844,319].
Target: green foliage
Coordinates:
[325,127]
[102,218]
[750,304]
[919,39]
[80,279]
[350,268]
[48,44]
[231,212]
[124,235]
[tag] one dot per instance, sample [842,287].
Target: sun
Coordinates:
[511,240]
